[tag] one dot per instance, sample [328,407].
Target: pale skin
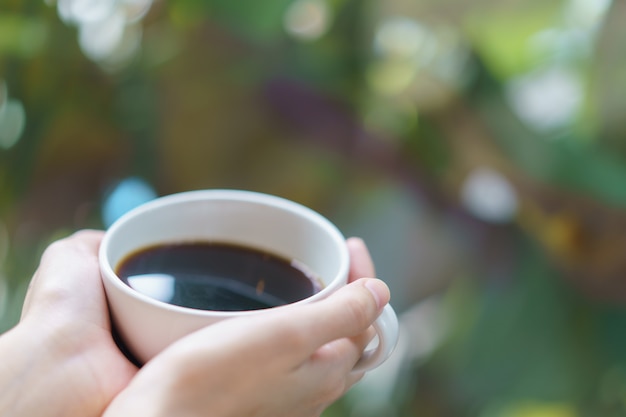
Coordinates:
[61,360]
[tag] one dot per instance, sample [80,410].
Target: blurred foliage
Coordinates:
[477,145]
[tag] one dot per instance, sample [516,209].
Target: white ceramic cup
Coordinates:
[273,224]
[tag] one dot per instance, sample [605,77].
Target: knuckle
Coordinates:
[58,248]
[54,248]
[51,253]
[76,241]
[295,338]
[85,234]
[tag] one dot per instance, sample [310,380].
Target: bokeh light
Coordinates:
[547,99]
[587,14]
[109,31]
[405,38]
[307,19]
[427,63]
[530,409]
[391,77]
[489,196]
[401,46]
[126,195]
[12,119]
[99,39]
[85,11]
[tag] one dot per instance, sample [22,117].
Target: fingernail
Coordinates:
[379,291]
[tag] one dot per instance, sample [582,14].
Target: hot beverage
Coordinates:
[218,281]
[217,276]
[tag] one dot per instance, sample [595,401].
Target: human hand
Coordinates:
[289,362]
[61,360]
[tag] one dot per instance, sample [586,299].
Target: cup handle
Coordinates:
[386,326]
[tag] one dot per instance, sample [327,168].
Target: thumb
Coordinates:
[346,313]
[67,277]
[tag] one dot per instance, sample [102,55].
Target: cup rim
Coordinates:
[108,272]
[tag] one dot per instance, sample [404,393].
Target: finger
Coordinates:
[328,374]
[341,355]
[346,313]
[68,276]
[361,264]
[301,329]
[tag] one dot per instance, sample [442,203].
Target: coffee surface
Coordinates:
[216,276]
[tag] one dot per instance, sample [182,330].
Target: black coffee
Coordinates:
[216,276]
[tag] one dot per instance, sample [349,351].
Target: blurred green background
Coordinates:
[477,145]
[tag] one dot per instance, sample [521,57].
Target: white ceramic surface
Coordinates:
[248,218]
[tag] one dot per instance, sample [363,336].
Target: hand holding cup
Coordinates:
[151,318]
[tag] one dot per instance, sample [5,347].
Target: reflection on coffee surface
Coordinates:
[217,276]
